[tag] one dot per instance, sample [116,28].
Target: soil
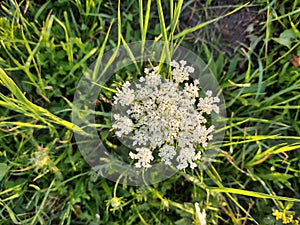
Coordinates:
[231,32]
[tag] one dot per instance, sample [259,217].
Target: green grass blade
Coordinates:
[43,203]
[36,111]
[251,194]
[175,19]
[101,53]
[162,20]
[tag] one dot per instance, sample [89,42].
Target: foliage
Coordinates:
[45,47]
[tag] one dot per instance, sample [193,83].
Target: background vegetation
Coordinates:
[45,47]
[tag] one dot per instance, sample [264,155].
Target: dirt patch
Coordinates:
[231,32]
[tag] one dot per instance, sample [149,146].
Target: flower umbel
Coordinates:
[165,117]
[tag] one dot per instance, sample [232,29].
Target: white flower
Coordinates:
[164,117]
[98,216]
[123,124]
[153,80]
[191,90]
[124,96]
[174,64]
[146,71]
[207,104]
[144,157]
[184,139]
[200,215]
[203,134]
[181,72]
[187,155]
[157,139]
[167,153]
[140,137]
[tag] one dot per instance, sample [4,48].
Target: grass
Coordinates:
[45,48]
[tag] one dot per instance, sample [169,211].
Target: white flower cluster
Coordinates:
[163,116]
[200,215]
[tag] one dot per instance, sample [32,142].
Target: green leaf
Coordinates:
[276,176]
[3,170]
[286,38]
